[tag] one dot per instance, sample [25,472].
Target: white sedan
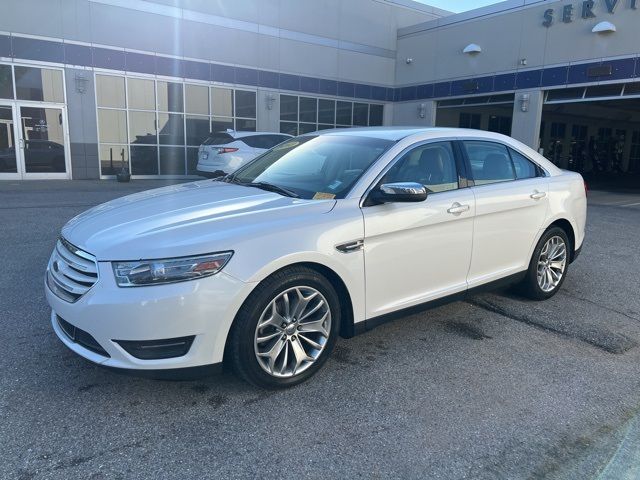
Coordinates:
[326,235]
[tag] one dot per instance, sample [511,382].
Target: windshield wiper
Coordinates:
[270,187]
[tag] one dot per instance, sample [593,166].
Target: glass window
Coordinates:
[433,165]
[141,94]
[171,129]
[306,128]
[524,167]
[192,161]
[325,127]
[171,160]
[288,108]
[315,166]
[245,104]
[170,97]
[144,160]
[326,111]
[308,110]
[112,158]
[197,129]
[245,125]
[39,84]
[360,114]
[6,82]
[343,113]
[289,128]
[376,113]
[112,126]
[490,162]
[219,124]
[142,128]
[222,102]
[110,91]
[196,99]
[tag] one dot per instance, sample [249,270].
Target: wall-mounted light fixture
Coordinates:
[422,110]
[524,102]
[270,99]
[604,27]
[409,60]
[472,49]
[81,82]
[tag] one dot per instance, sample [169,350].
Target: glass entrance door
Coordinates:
[8,152]
[42,141]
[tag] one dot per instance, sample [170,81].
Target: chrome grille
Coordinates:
[71,272]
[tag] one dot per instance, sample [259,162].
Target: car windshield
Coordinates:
[314,167]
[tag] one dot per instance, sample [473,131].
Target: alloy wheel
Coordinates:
[552,263]
[292,331]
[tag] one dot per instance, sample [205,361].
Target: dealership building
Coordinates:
[86,85]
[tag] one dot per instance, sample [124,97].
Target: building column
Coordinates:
[527,115]
[422,113]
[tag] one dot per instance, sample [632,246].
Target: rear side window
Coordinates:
[524,167]
[220,138]
[490,162]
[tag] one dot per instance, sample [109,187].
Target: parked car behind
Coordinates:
[225,152]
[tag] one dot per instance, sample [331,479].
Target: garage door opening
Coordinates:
[598,138]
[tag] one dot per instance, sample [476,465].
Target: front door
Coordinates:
[42,133]
[416,252]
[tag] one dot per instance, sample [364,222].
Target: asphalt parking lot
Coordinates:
[494,387]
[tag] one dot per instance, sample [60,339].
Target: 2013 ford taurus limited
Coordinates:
[322,236]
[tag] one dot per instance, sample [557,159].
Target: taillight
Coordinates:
[586,189]
[226,150]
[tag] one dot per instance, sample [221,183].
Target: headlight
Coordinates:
[168,270]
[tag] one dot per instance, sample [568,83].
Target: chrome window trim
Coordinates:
[480,139]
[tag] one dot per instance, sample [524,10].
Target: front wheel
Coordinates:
[548,266]
[286,329]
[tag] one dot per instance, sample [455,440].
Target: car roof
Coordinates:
[399,133]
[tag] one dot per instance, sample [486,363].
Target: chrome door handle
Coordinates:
[457,209]
[538,195]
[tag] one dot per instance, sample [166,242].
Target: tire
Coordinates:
[547,285]
[264,348]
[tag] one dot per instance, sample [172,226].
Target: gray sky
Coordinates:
[458,5]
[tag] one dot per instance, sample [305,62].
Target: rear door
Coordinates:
[511,194]
[416,252]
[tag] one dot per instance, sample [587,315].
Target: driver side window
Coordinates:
[432,165]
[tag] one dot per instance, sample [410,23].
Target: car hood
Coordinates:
[181,220]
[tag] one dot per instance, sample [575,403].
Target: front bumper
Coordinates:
[204,309]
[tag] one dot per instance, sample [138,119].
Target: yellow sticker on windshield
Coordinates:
[323,196]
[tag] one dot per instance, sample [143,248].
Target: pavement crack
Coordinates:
[596,336]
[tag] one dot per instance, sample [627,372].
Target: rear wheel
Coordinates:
[548,266]
[286,329]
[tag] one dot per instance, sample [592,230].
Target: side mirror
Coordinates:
[398,192]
